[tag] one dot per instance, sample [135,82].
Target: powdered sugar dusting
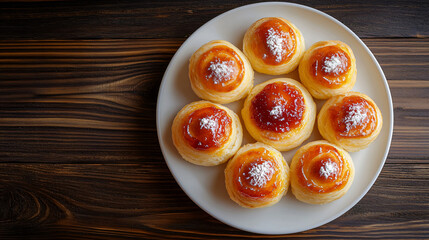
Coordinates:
[332,64]
[277,111]
[329,168]
[356,116]
[275,43]
[220,71]
[260,173]
[209,123]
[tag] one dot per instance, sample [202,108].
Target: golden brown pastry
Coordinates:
[351,121]
[273,46]
[220,72]
[321,173]
[257,176]
[206,133]
[328,68]
[279,112]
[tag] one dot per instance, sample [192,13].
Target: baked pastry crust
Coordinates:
[220,72]
[321,172]
[351,121]
[328,68]
[273,46]
[279,112]
[257,176]
[206,133]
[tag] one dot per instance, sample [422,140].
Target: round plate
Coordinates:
[206,186]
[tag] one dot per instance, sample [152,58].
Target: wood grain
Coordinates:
[79,153]
[172,19]
[98,96]
[404,62]
[94,101]
[106,199]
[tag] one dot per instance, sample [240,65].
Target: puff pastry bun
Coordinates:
[206,133]
[351,121]
[321,173]
[279,112]
[328,68]
[273,45]
[220,72]
[257,176]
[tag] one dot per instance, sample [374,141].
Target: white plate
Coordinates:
[205,185]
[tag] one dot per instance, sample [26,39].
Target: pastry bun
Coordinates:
[351,121]
[328,68]
[220,72]
[273,46]
[279,112]
[321,172]
[257,176]
[206,133]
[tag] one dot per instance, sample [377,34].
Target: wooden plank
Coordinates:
[171,19]
[94,100]
[142,200]
[80,101]
[79,154]
[401,59]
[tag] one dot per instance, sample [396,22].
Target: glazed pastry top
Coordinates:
[220,69]
[274,42]
[256,173]
[207,128]
[322,169]
[329,66]
[279,107]
[353,117]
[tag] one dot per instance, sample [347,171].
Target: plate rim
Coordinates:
[380,70]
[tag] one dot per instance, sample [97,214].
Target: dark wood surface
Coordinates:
[79,154]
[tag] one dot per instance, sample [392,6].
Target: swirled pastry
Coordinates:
[257,176]
[220,72]
[206,133]
[328,68]
[321,173]
[273,45]
[279,112]
[351,121]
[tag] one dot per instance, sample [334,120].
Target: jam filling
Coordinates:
[321,169]
[220,69]
[353,117]
[279,107]
[274,42]
[207,128]
[256,174]
[330,65]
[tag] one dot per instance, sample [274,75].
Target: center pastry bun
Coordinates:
[328,68]
[351,121]
[206,133]
[220,72]
[321,172]
[257,176]
[279,112]
[273,45]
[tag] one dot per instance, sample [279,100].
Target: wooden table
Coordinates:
[79,154]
